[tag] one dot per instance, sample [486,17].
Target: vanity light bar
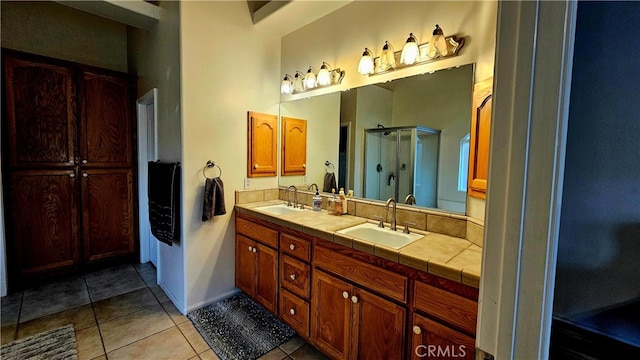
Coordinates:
[327,76]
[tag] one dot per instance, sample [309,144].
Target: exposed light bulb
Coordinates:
[324,77]
[365,67]
[298,84]
[410,51]
[437,44]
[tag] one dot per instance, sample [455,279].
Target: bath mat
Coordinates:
[56,344]
[237,328]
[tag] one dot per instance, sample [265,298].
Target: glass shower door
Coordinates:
[380,174]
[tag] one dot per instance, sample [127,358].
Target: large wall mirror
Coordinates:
[407,139]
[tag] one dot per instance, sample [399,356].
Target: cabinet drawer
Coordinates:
[295,276]
[375,278]
[450,308]
[295,312]
[257,232]
[295,247]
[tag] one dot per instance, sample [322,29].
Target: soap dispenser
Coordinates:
[317,201]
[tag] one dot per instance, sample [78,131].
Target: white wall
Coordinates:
[228,68]
[155,57]
[340,37]
[54,30]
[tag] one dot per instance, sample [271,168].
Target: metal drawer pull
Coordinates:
[417,330]
[292,247]
[292,276]
[292,311]
[354,299]
[345,294]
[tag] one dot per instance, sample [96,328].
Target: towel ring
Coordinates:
[327,164]
[209,165]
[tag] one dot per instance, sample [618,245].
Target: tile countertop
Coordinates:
[442,255]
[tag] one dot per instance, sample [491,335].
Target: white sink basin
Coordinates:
[279,209]
[387,237]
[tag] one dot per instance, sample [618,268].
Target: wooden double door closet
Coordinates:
[68,166]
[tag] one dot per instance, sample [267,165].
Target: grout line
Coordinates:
[95,317]
[189,342]
[15,334]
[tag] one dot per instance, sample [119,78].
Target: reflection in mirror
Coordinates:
[427,119]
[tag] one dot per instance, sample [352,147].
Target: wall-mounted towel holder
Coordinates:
[211,164]
[328,164]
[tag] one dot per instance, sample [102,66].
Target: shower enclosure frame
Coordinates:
[414,139]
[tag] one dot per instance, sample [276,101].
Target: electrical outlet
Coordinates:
[247,183]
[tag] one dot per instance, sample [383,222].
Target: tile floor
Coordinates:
[118,313]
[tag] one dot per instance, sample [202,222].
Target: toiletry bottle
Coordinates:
[343,200]
[317,201]
[337,207]
[332,202]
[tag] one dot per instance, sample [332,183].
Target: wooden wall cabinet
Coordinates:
[480,137]
[262,131]
[69,162]
[294,146]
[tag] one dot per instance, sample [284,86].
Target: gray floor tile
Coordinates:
[159,294]
[111,273]
[10,308]
[42,303]
[292,344]
[113,282]
[144,267]
[149,276]
[68,283]
[275,354]
[125,304]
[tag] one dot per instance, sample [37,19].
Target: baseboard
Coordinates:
[204,303]
[173,299]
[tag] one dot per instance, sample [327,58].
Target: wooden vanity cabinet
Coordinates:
[433,340]
[295,282]
[256,271]
[349,322]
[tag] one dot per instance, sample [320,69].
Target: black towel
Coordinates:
[213,199]
[164,201]
[329,182]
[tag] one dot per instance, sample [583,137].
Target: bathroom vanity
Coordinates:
[352,298]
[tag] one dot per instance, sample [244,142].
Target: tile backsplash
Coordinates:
[418,218]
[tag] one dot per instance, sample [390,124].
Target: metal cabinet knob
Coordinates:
[292,276]
[354,299]
[72,175]
[292,247]
[254,250]
[256,166]
[345,294]
[85,175]
[292,312]
[417,330]
[250,248]
[84,161]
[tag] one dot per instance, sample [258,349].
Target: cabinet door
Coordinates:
[480,136]
[432,340]
[378,327]
[331,314]
[267,277]
[42,209]
[108,219]
[294,146]
[40,117]
[245,264]
[262,132]
[105,137]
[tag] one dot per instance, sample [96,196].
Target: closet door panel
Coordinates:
[43,220]
[40,118]
[108,219]
[105,138]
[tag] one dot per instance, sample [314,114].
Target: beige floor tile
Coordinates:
[102,357]
[168,344]
[292,344]
[195,358]
[308,352]
[89,343]
[128,329]
[122,305]
[8,334]
[159,293]
[275,354]
[209,355]
[194,337]
[81,317]
[175,315]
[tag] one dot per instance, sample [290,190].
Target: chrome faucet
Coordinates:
[386,215]
[295,196]
[310,187]
[410,200]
